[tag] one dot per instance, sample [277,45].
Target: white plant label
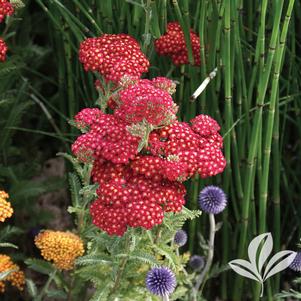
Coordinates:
[259,250]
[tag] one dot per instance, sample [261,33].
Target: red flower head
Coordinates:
[189,151]
[107,139]
[3,50]
[6,9]
[172,44]
[165,84]
[113,56]
[145,102]
[127,199]
[87,117]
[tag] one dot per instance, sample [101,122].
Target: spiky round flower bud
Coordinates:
[6,9]
[16,278]
[212,199]
[180,238]
[3,50]
[197,262]
[296,264]
[60,247]
[6,210]
[161,281]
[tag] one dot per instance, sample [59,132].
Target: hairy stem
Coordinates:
[46,286]
[121,268]
[202,277]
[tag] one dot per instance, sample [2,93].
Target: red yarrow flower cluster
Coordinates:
[107,138]
[87,117]
[3,50]
[135,189]
[185,150]
[127,199]
[146,101]
[173,44]
[6,9]
[113,56]
[140,153]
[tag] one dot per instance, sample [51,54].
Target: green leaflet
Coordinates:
[3,275]
[75,186]
[31,288]
[141,256]
[40,266]
[93,260]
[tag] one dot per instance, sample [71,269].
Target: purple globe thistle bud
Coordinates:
[296,264]
[180,238]
[212,199]
[197,262]
[161,281]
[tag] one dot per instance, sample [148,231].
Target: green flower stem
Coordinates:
[70,288]
[183,268]
[86,178]
[46,286]
[201,279]
[121,267]
[194,187]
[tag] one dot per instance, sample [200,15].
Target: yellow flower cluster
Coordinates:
[16,278]
[60,247]
[6,210]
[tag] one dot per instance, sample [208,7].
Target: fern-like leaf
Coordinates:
[168,254]
[75,186]
[94,260]
[141,256]
[40,266]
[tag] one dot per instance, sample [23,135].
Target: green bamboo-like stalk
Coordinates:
[276,191]
[270,121]
[202,25]
[226,57]
[270,118]
[87,12]
[185,25]
[228,88]
[147,35]
[214,39]
[254,141]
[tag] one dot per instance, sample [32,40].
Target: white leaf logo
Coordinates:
[284,259]
[258,251]
[244,268]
